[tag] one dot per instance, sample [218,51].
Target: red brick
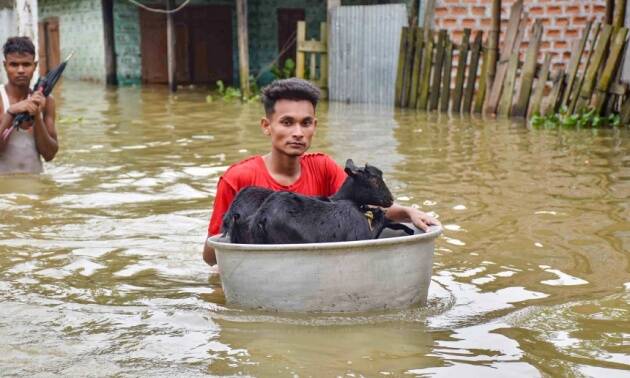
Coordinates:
[441,11]
[580,20]
[599,9]
[486,22]
[553,33]
[572,9]
[462,11]
[554,9]
[562,21]
[560,45]
[545,45]
[572,33]
[536,11]
[469,23]
[449,22]
[479,11]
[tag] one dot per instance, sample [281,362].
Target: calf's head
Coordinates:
[368,187]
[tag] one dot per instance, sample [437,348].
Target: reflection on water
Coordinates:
[101,271]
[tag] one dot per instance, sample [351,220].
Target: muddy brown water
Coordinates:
[100,257]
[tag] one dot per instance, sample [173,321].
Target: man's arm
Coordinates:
[5,129]
[222,201]
[208,254]
[6,119]
[421,220]
[44,126]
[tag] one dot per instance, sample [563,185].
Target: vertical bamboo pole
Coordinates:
[619,13]
[493,41]
[243,47]
[170,46]
[107,7]
[299,58]
[608,17]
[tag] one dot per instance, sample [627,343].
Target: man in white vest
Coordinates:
[22,148]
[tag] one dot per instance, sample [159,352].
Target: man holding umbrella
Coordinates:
[22,146]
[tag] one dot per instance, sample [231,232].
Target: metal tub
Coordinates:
[391,272]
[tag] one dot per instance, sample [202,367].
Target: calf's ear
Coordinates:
[351,169]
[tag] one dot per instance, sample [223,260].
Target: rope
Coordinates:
[156,10]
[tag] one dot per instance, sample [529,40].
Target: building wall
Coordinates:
[563,21]
[81,31]
[127,43]
[7,29]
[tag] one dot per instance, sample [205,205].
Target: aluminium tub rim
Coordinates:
[432,233]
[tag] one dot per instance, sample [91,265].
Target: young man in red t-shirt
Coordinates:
[290,124]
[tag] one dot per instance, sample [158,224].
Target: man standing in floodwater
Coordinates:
[290,124]
[21,148]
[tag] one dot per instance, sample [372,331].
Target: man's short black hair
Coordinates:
[20,45]
[288,89]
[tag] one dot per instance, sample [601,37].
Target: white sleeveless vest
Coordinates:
[20,154]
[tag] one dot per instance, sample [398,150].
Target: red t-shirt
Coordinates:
[320,176]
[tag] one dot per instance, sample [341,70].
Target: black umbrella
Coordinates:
[45,84]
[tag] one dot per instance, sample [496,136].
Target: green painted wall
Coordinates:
[81,31]
[127,42]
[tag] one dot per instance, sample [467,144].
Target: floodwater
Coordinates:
[101,270]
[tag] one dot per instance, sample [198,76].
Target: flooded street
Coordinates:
[101,269]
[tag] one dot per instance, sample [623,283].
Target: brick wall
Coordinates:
[563,21]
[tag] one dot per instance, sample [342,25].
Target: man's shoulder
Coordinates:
[317,157]
[244,166]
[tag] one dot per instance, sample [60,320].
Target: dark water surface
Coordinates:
[101,270]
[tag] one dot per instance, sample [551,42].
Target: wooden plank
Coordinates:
[505,104]
[299,56]
[589,79]
[507,93]
[575,92]
[323,60]
[425,79]
[494,95]
[574,63]
[472,72]
[401,64]
[610,68]
[408,65]
[554,97]
[311,46]
[483,80]
[461,70]
[312,67]
[625,112]
[427,24]
[446,76]
[437,71]
[527,73]
[415,70]
[534,107]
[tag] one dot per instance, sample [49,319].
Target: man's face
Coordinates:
[20,68]
[291,126]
